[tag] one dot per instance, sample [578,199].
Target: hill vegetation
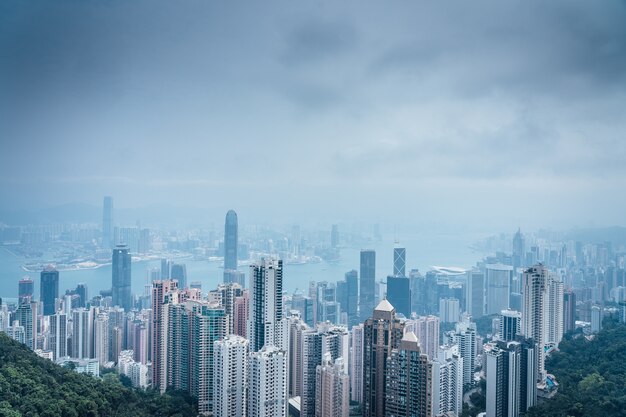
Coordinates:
[34,387]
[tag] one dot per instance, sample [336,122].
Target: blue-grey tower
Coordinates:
[230,242]
[368,283]
[49,290]
[121,278]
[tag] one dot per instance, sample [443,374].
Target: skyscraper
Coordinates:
[519,251]
[356,363]
[464,336]
[267,387]
[49,290]
[498,281]
[27,318]
[399,262]
[230,241]
[179,273]
[26,290]
[448,382]
[569,312]
[475,293]
[368,283]
[58,335]
[510,325]
[426,328]
[332,387]
[230,376]
[160,289]
[107,222]
[382,333]
[266,303]
[121,278]
[399,294]
[409,381]
[101,338]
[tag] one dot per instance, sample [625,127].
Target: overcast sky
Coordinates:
[495,114]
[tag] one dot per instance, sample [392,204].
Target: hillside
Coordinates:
[591,374]
[35,387]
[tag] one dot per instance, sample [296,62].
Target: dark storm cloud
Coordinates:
[216,101]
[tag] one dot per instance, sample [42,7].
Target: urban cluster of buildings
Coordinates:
[246,348]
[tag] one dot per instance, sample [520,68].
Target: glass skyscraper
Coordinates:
[49,290]
[368,283]
[121,278]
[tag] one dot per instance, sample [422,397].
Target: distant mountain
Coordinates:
[32,386]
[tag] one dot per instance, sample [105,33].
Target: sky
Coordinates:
[481,114]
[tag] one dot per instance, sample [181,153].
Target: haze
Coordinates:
[482,114]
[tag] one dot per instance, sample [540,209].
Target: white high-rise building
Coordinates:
[464,336]
[266,304]
[332,397]
[82,333]
[58,335]
[449,310]
[553,322]
[296,328]
[356,364]
[101,338]
[230,361]
[448,382]
[267,383]
[426,328]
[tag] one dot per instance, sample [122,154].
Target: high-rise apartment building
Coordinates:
[382,333]
[426,328]
[230,376]
[49,290]
[58,335]
[267,383]
[356,363]
[448,382]
[368,283]
[160,289]
[121,278]
[464,336]
[101,338]
[510,325]
[266,303]
[332,388]
[409,381]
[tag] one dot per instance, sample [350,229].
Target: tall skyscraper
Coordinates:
[399,294]
[409,381]
[107,222]
[101,338]
[26,290]
[121,278]
[569,312]
[510,325]
[240,313]
[511,374]
[83,294]
[266,303]
[82,333]
[399,262]
[267,386]
[475,293]
[464,336]
[58,335]
[179,273]
[49,290]
[230,241]
[230,376]
[160,289]
[368,283]
[498,281]
[448,382]
[356,363]
[382,333]
[332,387]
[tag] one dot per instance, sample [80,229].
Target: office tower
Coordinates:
[234,276]
[510,325]
[368,283]
[230,364]
[475,293]
[498,279]
[26,290]
[230,241]
[569,312]
[316,343]
[179,273]
[121,278]
[356,363]
[266,303]
[464,336]
[449,310]
[511,374]
[382,333]
[27,317]
[58,335]
[83,294]
[519,251]
[101,338]
[399,262]
[426,328]
[160,289]
[448,382]
[107,222]
[332,387]
[49,290]
[399,294]
[166,266]
[240,313]
[267,383]
[409,382]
